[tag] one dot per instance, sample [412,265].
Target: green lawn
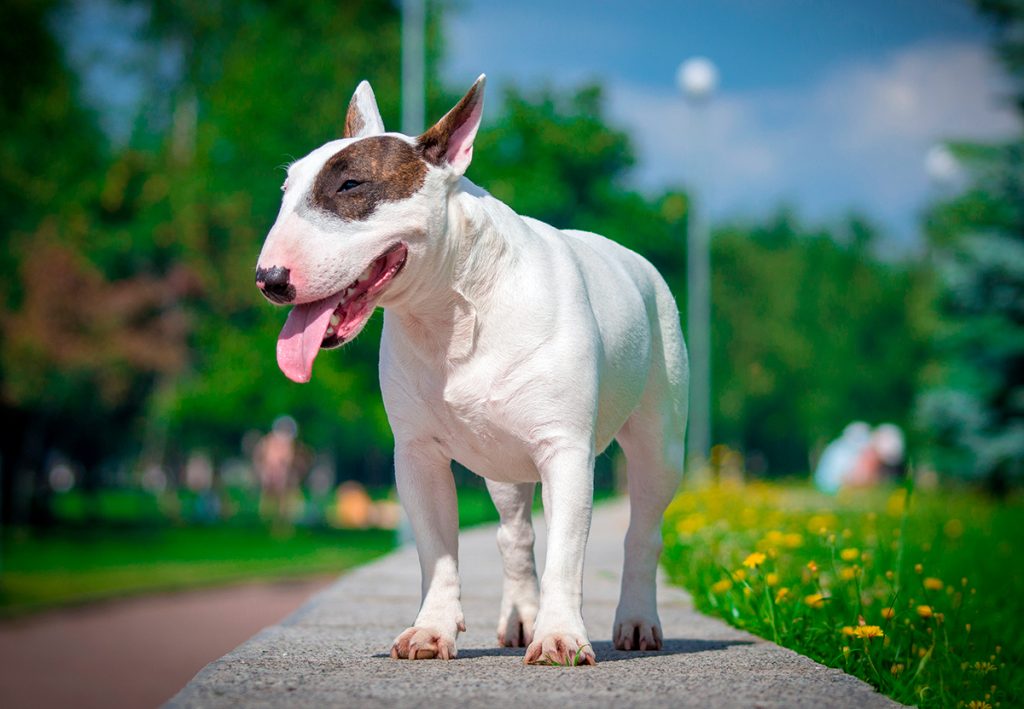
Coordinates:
[67,567]
[132,546]
[925,601]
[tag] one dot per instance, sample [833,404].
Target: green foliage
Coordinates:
[808,333]
[973,406]
[919,597]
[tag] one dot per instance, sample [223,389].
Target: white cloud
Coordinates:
[857,139]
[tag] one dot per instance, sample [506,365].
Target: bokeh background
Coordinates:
[859,168]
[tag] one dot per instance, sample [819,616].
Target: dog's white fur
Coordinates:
[520,351]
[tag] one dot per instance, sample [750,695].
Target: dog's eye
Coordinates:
[349,185]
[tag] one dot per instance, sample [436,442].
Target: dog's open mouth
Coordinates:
[332,321]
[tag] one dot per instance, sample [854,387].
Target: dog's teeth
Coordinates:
[335,319]
[330,331]
[364,276]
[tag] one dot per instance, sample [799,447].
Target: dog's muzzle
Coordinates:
[273,282]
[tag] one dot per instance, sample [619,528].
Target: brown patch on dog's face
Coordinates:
[366,174]
[434,143]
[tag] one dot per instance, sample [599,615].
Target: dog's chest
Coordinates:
[476,423]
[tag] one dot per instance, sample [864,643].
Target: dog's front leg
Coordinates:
[567,477]
[427,490]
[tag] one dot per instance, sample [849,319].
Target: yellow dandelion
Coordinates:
[984,667]
[739,575]
[890,575]
[846,651]
[868,631]
[782,595]
[848,630]
[850,554]
[812,567]
[793,540]
[815,600]
[754,560]
[721,586]
[848,573]
[933,584]
[888,613]
[978,704]
[918,568]
[772,579]
[924,611]
[897,668]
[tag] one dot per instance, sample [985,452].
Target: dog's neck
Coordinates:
[437,310]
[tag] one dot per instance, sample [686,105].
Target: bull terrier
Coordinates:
[515,348]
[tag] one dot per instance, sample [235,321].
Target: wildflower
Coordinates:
[868,631]
[815,600]
[897,668]
[812,567]
[933,584]
[782,595]
[888,613]
[721,586]
[918,568]
[890,575]
[848,573]
[772,579]
[850,554]
[846,651]
[977,704]
[984,668]
[793,540]
[968,627]
[924,611]
[754,560]
[739,575]
[848,630]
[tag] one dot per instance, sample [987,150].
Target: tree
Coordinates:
[972,407]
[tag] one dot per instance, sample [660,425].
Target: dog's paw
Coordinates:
[423,644]
[564,649]
[515,628]
[637,634]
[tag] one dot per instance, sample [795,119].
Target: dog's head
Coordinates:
[357,216]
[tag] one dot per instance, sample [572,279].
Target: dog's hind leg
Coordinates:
[520,596]
[652,440]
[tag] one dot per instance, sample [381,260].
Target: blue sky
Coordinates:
[826,106]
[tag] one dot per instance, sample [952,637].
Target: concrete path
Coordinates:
[334,651]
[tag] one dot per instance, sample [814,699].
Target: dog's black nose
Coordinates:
[274,283]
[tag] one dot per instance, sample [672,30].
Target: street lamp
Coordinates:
[413,60]
[698,78]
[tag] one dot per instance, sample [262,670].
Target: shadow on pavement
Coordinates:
[606,652]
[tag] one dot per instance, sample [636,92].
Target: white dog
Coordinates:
[512,347]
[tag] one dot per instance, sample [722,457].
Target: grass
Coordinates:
[126,542]
[70,566]
[919,594]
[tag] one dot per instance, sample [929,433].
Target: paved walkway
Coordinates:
[334,651]
[134,652]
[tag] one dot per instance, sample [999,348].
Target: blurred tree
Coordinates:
[973,404]
[809,331]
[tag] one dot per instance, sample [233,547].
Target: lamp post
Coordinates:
[697,79]
[413,60]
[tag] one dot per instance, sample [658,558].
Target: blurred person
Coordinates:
[274,459]
[861,457]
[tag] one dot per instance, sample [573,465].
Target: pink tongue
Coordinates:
[300,338]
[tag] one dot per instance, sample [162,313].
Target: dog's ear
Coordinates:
[363,117]
[450,140]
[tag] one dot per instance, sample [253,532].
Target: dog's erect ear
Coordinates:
[363,117]
[450,140]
